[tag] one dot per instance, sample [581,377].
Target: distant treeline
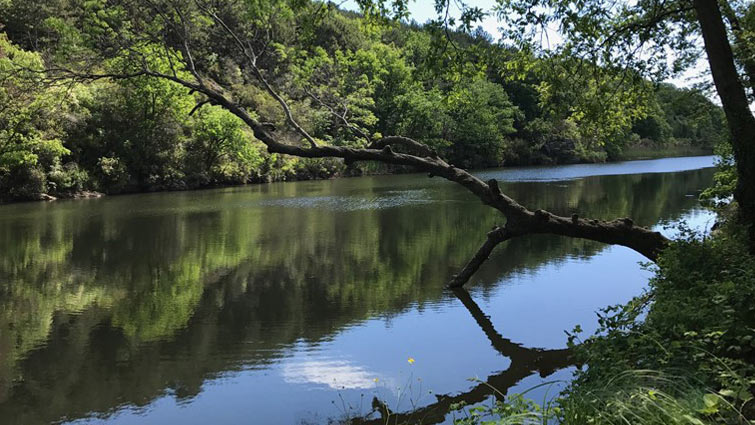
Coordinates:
[479,108]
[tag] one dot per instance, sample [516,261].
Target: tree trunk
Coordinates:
[736,107]
[745,56]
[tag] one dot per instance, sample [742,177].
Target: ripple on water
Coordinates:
[390,199]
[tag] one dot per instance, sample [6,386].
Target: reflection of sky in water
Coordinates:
[569,172]
[335,373]
[334,378]
[415,196]
[699,220]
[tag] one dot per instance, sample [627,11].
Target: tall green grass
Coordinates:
[638,397]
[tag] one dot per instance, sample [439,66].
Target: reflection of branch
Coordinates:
[524,361]
[495,237]
[544,361]
[504,346]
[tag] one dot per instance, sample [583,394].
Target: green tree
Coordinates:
[140,123]
[219,151]
[209,51]
[605,34]
[481,117]
[30,143]
[692,116]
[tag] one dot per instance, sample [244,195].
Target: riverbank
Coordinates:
[639,152]
[84,194]
[682,352]
[336,170]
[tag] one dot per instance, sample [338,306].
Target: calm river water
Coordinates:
[300,303]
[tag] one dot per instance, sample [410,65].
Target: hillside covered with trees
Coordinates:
[471,100]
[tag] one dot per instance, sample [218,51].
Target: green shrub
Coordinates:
[681,353]
[66,179]
[112,175]
[640,397]
[23,184]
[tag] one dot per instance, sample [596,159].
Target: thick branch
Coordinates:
[519,220]
[746,58]
[621,231]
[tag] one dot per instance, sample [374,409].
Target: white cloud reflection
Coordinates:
[336,374]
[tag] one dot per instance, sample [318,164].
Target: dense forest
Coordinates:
[143,134]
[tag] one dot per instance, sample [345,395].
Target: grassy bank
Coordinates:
[681,353]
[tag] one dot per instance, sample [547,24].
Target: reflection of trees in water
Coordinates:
[524,362]
[102,303]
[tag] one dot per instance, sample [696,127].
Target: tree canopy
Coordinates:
[342,75]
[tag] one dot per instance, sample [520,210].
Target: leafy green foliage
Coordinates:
[445,83]
[481,116]
[691,116]
[682,353]
[724,181]
[637,397]
[220,150]
[142,123]
[697,318]
[515,409]
[29,125]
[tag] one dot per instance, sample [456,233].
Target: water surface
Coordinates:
[301,302]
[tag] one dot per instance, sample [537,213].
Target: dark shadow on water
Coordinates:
[524,362]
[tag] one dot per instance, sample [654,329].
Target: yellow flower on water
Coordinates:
[376,379]
[411,360]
